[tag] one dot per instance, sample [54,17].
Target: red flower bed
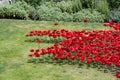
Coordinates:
[101,47]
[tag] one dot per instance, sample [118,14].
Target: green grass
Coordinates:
[14,51]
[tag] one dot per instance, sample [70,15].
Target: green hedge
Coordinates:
[48,12]
[86,13]
[16,11]
[12,12]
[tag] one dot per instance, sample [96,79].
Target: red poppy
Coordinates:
[32,50]
[56,58]
[83,58]
[56,24]
[86,20]
[106,24]
[89,61]
[37,50]
[118,75]
[31,55]
[38,41]
[117,64]
[36,54]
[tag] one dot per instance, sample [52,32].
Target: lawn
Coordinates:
[14,53]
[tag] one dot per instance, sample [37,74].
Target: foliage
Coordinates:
[33,14]
[65,6]
[62,10]
[19,10]
[86,13]
[12,11]
[53,14]
[50,4]
[76,5]
[67,17]
[45,13]
[34,3]
[22,5]
[115,15]
[114,3]
[88,4]
[103,7]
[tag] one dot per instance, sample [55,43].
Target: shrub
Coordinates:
[65,6]
[33,14]
[50,4]
[114,3]
[88,4]
[53,14]
[76,5]
[45,13]
[67,17]
[2,15]
[19,10]
[33,3]
[22,5]
[85,13]
[16,11]
[115,16]
[103,7]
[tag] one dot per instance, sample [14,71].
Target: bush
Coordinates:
[85,13]
[88,4]
[53,14]
[13,12]
[16,11]
[45,13]
[115,16]
[2,12]
[33,3]
[50,4]
[114,3]
[22,6]
[65,6]
[76,5]
[33,14]
[103,7]
[67,17]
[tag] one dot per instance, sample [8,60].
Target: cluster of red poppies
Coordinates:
[101,47]
[116,26]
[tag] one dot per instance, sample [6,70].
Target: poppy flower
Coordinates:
[86,20]
[83,58]
[38,41]
[106,24]
[117,64]
[36,54]
[37,50]
[32,50]
[56,58]
[118,75]
[56,24]
[31,55]
[89,61]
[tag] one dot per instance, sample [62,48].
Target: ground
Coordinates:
[14,53]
